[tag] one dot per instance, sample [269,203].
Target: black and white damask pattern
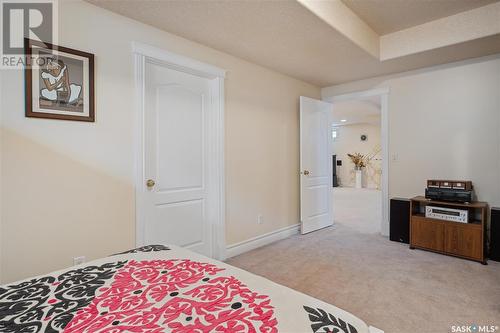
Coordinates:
[147,248]
[324,322]
[47,304]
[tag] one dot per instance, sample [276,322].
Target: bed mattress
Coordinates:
[164,289]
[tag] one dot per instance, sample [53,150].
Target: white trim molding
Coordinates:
[358,95]
[144,53]
[384,131]
[265,239]
[177,61]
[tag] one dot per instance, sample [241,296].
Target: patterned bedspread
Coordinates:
[164,289]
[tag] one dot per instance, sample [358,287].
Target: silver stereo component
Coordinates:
[447,214]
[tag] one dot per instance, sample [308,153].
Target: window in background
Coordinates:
[334,133]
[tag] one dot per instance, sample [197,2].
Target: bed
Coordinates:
[160,288]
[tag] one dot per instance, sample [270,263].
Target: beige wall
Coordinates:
[348,142]
[443,123]
[67,187]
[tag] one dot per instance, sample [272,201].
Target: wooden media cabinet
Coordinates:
[464,240]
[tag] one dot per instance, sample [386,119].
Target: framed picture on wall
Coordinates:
[59,82]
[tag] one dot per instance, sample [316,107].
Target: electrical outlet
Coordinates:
[78,260]
[260,219]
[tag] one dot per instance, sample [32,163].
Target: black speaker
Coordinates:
[495,234]
[400,220]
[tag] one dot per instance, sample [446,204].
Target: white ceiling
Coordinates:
[362,111]
[286,37]
[386,16]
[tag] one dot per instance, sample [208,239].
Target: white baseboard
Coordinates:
[256,242]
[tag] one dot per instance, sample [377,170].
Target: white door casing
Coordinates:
[316,206]
[384,129]
[180,149]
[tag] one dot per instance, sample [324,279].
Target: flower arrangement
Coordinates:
[361,161]
[358,159]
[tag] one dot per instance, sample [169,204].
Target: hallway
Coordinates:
[358,209]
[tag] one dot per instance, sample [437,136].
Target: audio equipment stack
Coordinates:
[450,190]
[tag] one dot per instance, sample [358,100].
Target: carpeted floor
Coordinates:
[358,208]
[382,282]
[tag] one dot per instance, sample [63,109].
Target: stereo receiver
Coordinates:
[447,214]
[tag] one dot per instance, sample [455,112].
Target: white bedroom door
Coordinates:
[176,160]
[316,206]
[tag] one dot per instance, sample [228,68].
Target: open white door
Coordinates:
[316,206]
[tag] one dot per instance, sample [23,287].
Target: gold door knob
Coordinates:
[306,172]
[150,183]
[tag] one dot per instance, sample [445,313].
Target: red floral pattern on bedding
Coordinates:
[180,296]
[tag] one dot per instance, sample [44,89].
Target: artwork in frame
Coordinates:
[59,82]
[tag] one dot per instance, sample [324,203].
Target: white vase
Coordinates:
[359,178]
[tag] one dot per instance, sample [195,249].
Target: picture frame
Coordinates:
[59,82]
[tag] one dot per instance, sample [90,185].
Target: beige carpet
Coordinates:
[382,282]
[358,208]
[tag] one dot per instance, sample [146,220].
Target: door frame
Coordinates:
[143,53]
[383,93]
